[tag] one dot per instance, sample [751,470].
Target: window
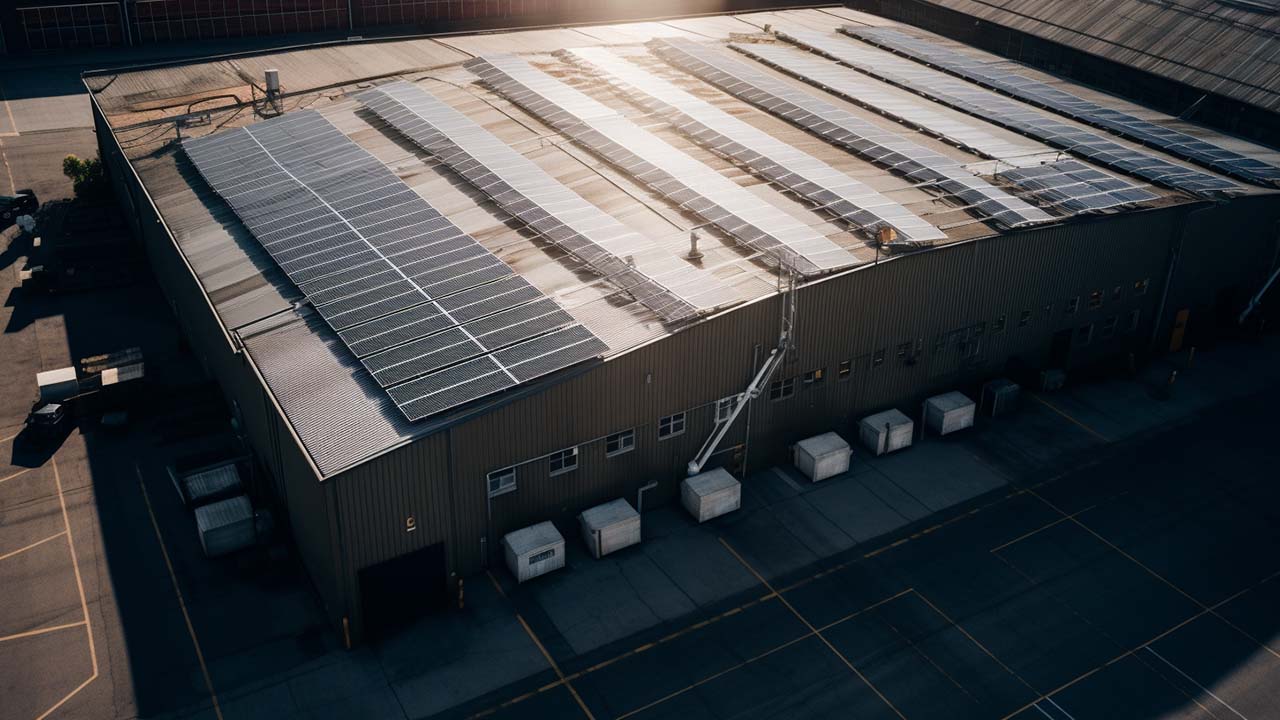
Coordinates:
[998,325]
[564,461]
[1024,318]
[846,367]
[814,377]
[1095,299]
[502,481]
[1134,315]
[1084,335]
[878,359]
[782,389]
[670,426]
[724,408]
[1140,287]
[536,558]
[1073,304]
[1109,326]
[1117,292]
[619,443]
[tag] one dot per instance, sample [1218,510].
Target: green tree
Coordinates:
[87,177]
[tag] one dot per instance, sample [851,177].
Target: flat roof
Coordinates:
[339,413]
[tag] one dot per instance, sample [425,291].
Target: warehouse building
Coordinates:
[908,231]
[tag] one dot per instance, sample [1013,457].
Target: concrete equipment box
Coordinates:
[822,456]
[947,413]
[226,526]
[610,527]
[533,551]
[1000,396]
[886,431]
[711,494]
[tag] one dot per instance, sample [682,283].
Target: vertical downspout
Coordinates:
[1174,254]
[351,18]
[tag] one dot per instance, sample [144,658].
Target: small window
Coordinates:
[1140,287]
[502,481]
[724,408]
[670,426]
[846,367]
[1084,335]
[782,389]
[1073,305]
[1024,318]
[878,359]
[1134,316]
[564,461]
[536,558]
[1117,292]
[815,377]
[998,325]
[1109,326]
[1095,299]
[619,443]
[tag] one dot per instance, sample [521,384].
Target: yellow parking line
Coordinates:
[33,545]
[813,629]
[40,631]
[1074,421]
[191,630]
[18,474]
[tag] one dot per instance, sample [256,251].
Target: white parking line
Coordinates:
[1060,708]
[1192,680]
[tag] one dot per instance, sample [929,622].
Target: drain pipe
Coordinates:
[1175,253]
[640,496]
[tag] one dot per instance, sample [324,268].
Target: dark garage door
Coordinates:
[398,591]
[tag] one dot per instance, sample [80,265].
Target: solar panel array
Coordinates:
[667,285]
[842,128]
[1008,113]
[1076,189]
[798,171]
[668,171]
[1044,95]
[436,318]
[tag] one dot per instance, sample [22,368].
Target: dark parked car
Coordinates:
[11,206]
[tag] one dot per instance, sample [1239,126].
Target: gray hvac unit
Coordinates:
[711,494]
[822,456]
[226,526]
[1000,396]
[949,412]
[610,527]
[205,485]
[533,551]
[886,431]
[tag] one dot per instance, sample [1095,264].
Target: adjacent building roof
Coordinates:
[333,403]
[1227,47]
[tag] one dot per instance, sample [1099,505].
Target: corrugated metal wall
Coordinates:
[922,315]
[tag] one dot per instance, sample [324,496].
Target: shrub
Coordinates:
[87,176]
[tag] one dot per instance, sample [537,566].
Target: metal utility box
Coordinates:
[533,551]
[1000,396]
[1051,380]
[711,494]
[202,486]
[226,526]
[57,385]
[610,527]
[947,413]
[822,456]
[886,431]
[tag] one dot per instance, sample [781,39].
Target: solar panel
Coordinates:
[798,171]
[677,292]
[383,268]
[1010,113]
[1067,186]
[668,171]
[1044,95]
[842,128]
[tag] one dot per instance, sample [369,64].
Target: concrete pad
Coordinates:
[700,566]
[768,545]
[902,502]
[273,701]
[939,474]
[854,509]
[818,534]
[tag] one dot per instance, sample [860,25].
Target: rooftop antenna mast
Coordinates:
[788,282]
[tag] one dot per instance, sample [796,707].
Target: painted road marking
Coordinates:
[1074,421]
[18,474]
[1192,680]
[33,545]
[41,631]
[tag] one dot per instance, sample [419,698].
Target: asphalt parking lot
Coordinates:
[1102,553]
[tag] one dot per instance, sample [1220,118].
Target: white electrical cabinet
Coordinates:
[947,413]
[886,431]
[822,456]
[533,551]
[711,494]
[610,527]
